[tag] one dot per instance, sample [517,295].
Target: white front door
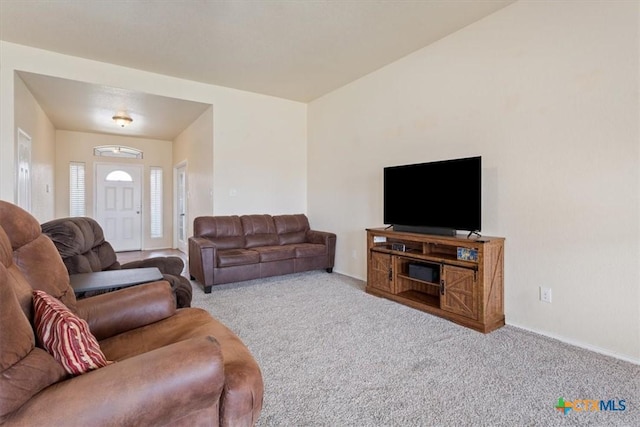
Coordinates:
[24,171]
[119,205]
[181,208]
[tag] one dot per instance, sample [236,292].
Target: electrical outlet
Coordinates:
[545,294]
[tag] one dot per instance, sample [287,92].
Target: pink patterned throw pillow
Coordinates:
[66,336]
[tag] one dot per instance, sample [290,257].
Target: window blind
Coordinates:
[155,191]
[76,189]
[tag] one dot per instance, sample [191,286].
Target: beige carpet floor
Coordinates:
[332,355]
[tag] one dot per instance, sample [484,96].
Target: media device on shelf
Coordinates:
[439,197]
[427,272]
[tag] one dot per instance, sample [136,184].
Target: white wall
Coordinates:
[547,93]
[259,141]
[194,147]
[264,170]
[30,117]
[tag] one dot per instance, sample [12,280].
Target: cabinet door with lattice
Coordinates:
[459,289]
[379,274]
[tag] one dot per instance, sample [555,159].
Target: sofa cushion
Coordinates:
[224,231]
[259,230]
[291,228]
[276,253]
[229,257]
[304,250]
[66,336]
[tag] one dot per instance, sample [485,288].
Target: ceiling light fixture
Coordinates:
[122,119]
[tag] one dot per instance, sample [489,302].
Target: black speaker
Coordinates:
[398,247]
[425,272]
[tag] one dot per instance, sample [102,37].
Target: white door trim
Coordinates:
[177,215]
[23,169]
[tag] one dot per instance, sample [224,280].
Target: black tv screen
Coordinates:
[434,197]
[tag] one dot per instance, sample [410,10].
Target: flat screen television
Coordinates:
[439,197]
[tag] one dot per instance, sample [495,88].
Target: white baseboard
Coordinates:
[589,347]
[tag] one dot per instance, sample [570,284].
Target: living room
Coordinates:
[545,92]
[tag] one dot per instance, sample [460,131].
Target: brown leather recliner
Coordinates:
[172,366]
[80,241]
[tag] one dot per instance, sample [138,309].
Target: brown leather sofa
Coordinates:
[226,249]
[173,367]
[80,241]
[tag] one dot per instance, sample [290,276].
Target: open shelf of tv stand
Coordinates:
[420,298]
[464,276]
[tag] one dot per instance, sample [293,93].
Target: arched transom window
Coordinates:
[118,175]
[117,151]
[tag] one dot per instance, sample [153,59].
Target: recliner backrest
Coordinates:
[80,241]
[36,257]
[28,260]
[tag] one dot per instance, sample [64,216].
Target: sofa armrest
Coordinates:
[166,264]
[202,260]
[321,237]
[327,239]
[154,388]
[125,309]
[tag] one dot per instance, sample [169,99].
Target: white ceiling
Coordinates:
[84,107]
[298,50]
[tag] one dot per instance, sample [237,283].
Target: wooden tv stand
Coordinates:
[457,287]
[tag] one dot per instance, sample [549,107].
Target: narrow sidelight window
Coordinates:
[76,189]
[155,191]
